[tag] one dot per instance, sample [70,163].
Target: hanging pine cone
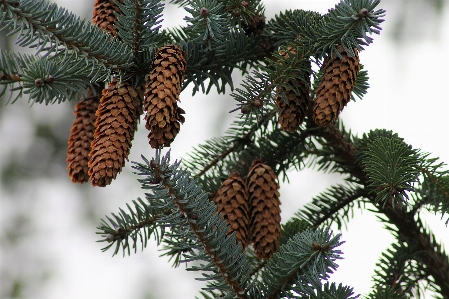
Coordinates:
[232,203]
[292,114]
[265,212]
[335,89]
[114,130]
[81,136]
[104,15]
[162,91]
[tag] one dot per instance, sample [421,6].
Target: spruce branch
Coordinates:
[398,271]
[137,224]
[433,190]
[348,25]
[300,265]
[138,24]
[293,25]
[221,36]
[51,29]
[361,144]
[46,79]
[293,227]
[391,166]
[257,90]
[333,206]
[337,152]
[435,187]
[194,217]
[208,24]
[282,151]
[236,52]
[11,68]
[218,153]
[245,14]
[437,262]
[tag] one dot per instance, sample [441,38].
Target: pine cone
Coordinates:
[264,208]
[232,203]
[291,115]
[114,130]
[162,91]
[104,16]
[335,89]
[81,136]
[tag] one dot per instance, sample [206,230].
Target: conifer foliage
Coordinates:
[226,225]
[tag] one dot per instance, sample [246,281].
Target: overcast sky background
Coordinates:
[48,247]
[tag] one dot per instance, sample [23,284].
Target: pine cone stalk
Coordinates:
[293,113]
[162,91]
[335,88]
[114,131]
[232,203]
[81,136]
[265,212]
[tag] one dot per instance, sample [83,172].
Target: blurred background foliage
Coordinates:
[33,145]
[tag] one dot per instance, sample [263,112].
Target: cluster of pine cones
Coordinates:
[332,94]
[251,208]
[104,125]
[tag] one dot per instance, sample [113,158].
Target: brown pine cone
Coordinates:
[81,136]
[334,91]
[104,16]
[162,91]
[264,209]
[114,130]
[292,114]
[232,203]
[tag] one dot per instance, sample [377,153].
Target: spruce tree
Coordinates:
[219,211]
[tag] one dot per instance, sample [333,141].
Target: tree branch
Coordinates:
[437,263]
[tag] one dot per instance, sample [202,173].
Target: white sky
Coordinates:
[407,95]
